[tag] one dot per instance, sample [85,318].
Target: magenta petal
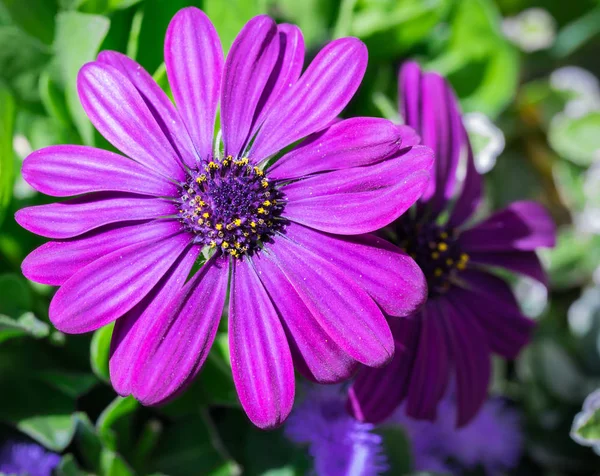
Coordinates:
[471,192]
[522,262]
[110,286]
[194,61]
[409,93]
[261,361]
[247,70]
[130,346]
[520,226]
[55,262]
[122,116]
[66,170]
[390,276]
[179,340]
[76,216]
[431,366]
[361,199]
[316,99]
[159,104]
[471,356]
[315,353]
[340,306]
[350,143]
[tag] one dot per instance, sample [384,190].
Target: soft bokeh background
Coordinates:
[526,73]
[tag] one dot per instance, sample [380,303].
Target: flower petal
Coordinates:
[520,226]
[261,361]
[350,143]
[522,262]
[316,99]
[159,104]
[391,277]
[194,61]
[119,112]
[341,307]
[66,170]
[181,336]
[55,262]
[130,346]
[315,353]
[248,67]
[361,199]
[110,286]
[472,190]
[409,93]
[76,216]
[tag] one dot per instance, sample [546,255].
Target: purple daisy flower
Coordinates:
[338,444]
[470,312]
[284,239]
[22,458]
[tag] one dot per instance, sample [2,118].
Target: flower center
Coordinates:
[435,249]
[230,205]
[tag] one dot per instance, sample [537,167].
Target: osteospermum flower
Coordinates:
[470,313]
[283,238]
[23,458]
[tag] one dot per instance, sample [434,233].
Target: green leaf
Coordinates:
[118,409]
[314,17]
[78,39]
[397,448]
[576,139]
[87,441]
[113,465]
[55,432]
[590,428]
[7,120]
[36,17]
[71,384]
[15,295]
[25,325]
[54,99]
[100,350]
[68,467]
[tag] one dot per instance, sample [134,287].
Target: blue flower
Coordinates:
[22,458]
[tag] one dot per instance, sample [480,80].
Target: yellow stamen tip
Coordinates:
[219,226]
[438,272]
[442,246]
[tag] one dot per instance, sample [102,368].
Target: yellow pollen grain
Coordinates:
[237,222]
[264,184]
[261,210]
[200,221]
[464,257]
[213,244]
[206,214]
[435,255]
[201,203]
[462,265]
[237,244]
[449,261]
[224,245]
[438,272]
[219,226]
[253,224]
[213,165]
[257,171]
[267,203]
[442,246]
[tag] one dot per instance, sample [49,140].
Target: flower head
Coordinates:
[470,313]
[338,443]
[19,457]
[283,232]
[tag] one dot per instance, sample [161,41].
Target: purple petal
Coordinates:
[522,262]
[110,286]
[376,393]
[350,143]
[431,366]
[119,112]
[361,199]
[130,345]
[261,361]
[520,226]
[66,170]
[471,192]
[76,216]
[409,93]
[180,338]
[315,353]
[194,61]
[158,103]
[316,98]
[341,307]
[248,67]
[55,262]
[471,355]
[390,276]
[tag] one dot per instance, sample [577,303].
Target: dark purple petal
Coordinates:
[130,346]
[521,226]
[490,301]
[158,103]
[76,216]
[376,393]
[471,356]
[110,286]
[361,199]
[261,361]
[55,262]
[340,306]
[471,192]
[194,61]
[315,353]
[248,67]
[180,338]
[390,276]
[66,170]
[522,262]
[316,99]
[350,143]
[431,367]
[122,116]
